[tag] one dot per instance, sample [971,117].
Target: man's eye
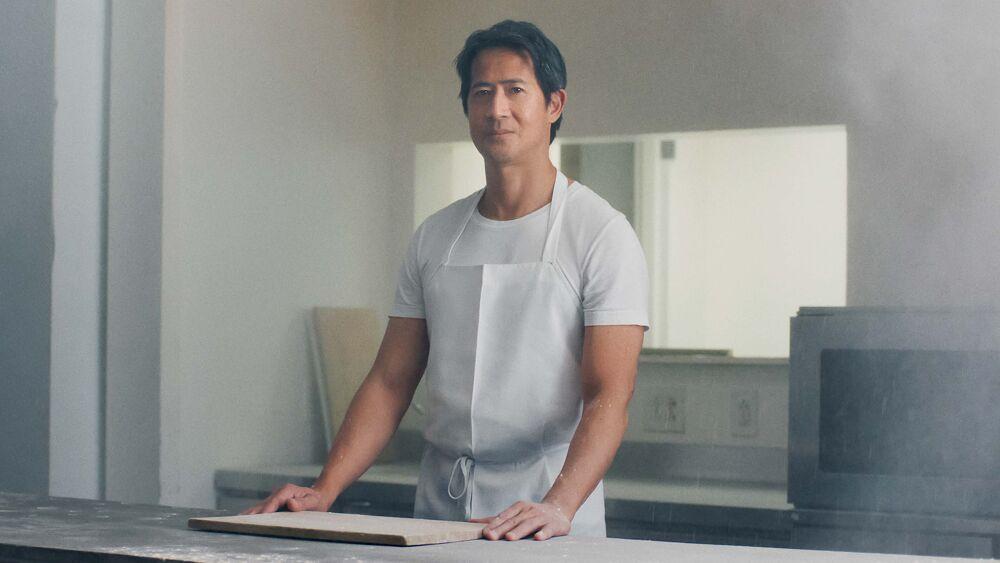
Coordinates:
[480,92]
[517,89]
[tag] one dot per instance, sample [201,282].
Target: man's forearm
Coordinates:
[369,423]
[593,447]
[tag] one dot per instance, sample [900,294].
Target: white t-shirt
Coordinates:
[598,252]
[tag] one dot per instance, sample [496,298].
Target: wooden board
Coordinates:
[345,344]
[358,528]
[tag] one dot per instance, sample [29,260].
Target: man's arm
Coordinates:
[370,421]
[608,370]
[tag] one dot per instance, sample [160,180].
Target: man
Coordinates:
[525,305]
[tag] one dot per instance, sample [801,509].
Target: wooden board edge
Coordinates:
[297,533]
[460,538]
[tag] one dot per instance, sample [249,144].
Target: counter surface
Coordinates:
[63,529]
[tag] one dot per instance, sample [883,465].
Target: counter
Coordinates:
[34,528]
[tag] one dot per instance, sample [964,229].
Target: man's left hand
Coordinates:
[543,519]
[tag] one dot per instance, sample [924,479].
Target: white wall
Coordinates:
[445,172]
[96,228]
[78,175]
[133,265]
[276,198]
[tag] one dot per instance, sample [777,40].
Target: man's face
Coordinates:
[509,118]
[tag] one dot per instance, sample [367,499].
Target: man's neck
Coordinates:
[516,190]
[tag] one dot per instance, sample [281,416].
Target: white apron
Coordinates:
[503,383]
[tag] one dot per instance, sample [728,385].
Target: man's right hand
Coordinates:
[293,498]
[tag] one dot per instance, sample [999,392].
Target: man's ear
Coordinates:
[557,101]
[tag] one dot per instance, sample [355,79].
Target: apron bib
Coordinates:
[503,383]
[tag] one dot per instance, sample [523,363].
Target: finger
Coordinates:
[496,528]
[512,511]
[527,526]
[481,520]
[305,502]
[271,505]
[495,531]
[510,524]
[277,500]
[545,533]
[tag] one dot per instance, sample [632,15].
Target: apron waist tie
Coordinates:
[466,465]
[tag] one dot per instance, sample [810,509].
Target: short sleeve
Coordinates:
[409,300]
[615,280]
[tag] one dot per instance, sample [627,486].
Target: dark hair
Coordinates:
[523,37]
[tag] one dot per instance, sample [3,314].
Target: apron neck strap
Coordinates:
[552,229]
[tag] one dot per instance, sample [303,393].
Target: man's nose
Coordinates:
[499,105]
